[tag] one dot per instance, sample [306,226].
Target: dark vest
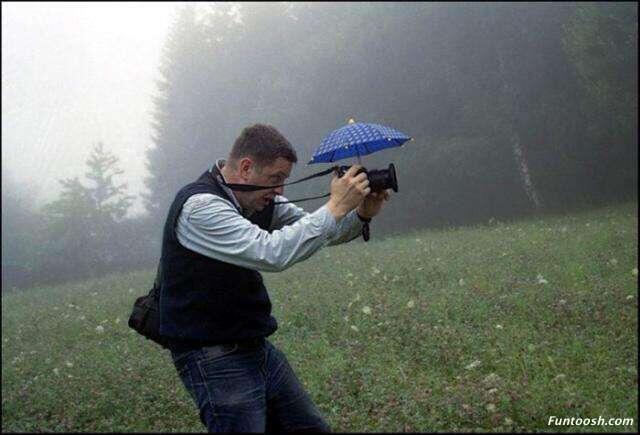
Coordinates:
[205,301]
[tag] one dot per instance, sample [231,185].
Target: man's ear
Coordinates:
[245,167]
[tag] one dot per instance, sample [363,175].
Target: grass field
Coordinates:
[487,328]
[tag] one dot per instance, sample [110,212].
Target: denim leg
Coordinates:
[228,387]
[290,409]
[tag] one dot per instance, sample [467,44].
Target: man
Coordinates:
[214,307]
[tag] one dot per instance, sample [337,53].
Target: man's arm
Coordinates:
[348,228]
[212,226]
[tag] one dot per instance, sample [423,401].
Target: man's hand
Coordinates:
[347,191]
[372,203]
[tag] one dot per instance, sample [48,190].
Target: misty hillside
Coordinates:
[493,327]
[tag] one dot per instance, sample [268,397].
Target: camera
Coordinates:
[379,179]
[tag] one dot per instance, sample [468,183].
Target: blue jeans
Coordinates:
[247,389]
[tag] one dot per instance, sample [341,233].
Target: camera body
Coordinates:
[379,179]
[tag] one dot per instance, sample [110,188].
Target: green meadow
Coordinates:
[494,327]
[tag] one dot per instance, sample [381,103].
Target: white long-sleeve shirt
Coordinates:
[215,227]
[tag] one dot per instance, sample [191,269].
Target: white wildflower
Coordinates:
[411,304]
[629,297]
[560,377]
[473,365]
[82,317]
[100,328]
[491,407]
[69,364]
[541,280]
[492,391]
[461,282]
[508,421]
[562,301]
[491,379]
[355,328]
[420,268]
[498,326]
[117,320]
[366,310]
[634,271]
[56,371]
[375,270]
[613,261]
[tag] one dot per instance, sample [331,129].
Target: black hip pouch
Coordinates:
[145,317]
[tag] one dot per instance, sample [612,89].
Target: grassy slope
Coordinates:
[460,334]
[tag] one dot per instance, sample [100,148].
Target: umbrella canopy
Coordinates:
[357,139]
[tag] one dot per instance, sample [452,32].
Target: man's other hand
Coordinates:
[372,203]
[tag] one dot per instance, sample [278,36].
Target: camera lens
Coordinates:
[379,179]
[383,179]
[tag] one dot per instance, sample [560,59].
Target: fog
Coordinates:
[74,74]
[517,109]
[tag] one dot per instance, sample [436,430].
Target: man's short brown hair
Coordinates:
[264,144]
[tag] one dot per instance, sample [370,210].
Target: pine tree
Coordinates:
[177,121]
[82,223]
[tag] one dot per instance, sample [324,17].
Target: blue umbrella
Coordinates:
[357,139]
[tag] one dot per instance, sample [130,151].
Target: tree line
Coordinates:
[515,109]
[83,233]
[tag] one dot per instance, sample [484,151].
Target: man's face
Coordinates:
[272,175]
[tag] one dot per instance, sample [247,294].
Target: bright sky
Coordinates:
[74,74]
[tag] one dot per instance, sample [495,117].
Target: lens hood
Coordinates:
[393,180]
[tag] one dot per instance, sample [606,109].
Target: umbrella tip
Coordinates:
[351,121]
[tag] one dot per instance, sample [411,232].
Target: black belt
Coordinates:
[219,350]
[250,344]
[185,345]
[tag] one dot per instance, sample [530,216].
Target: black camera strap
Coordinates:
[252,187]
